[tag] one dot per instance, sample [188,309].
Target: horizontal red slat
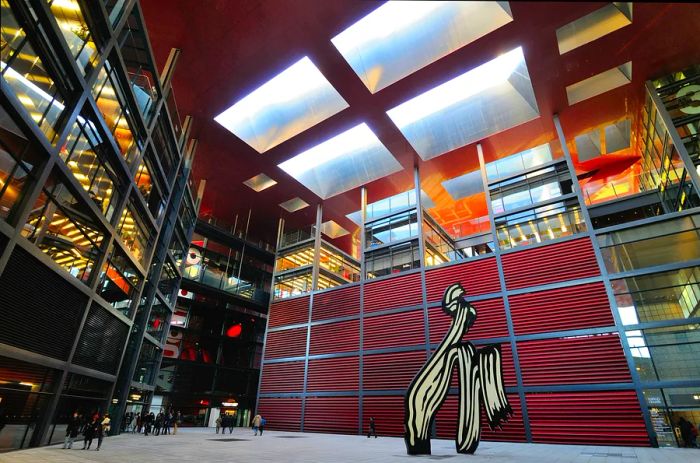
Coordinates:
[478,277]
[391,371]
[281,414]
[569,260]
[600,417]
[395,330]
[581,360]
[335,337]
[282,377]
[333,374]
[341,302]
[573,307]
[387,412]
[513,430]
[392,293]
[490,321]
[331,415]
[286,343]
[289,312]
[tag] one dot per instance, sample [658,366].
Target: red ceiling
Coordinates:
[230,47]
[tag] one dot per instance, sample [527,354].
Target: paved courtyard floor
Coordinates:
[203,445]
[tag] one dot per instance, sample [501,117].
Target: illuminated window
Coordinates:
[27,75]
[294,100]
[119,282]
[135,234]
[75,30]
[18,161]
[61,226]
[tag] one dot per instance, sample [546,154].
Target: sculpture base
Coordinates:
[421,447]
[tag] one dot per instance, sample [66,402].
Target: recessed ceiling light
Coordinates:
[333,230]
[344,162]
[399,38]
[260,182]
[296,99]
[595,25]
[294,204]
[599,83]
[486,100]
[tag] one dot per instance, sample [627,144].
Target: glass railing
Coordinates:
[237,230]
[219,279]
[297,236]
[600,192]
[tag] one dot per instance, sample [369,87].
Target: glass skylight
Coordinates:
[296,99]
[493,97]
[399,38]
[344,162]
[260,182]
[332,229]
[465,185]
[294,204]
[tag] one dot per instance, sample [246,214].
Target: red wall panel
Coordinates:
[400,329]
[513,430]
[581,360]
[282,377]
[336,303]
[479,277]
[286,343]
[391,371]
[333,374]
[490,321]
[395,292]
[574,307]
[601,417]
[335,337]
[289,312]
[387,412]
[281,414]
[331,414]
[550,264]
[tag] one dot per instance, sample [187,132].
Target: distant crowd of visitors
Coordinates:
[224,422]
[150,423]
[89,426]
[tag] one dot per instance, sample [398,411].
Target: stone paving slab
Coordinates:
[203,445]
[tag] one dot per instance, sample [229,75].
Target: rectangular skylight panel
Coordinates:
[600,83]
[296,99]
[400,37]
[294,204]
[465,185]
[595,25]
[344,162]
[333,229]
[493,97]
[260,182]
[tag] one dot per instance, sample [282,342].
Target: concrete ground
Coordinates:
[203,445]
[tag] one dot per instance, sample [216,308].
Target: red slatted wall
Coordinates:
[289,312]
[479,277]
[331,414]
[513,430]
[594,359]
[333,374]
[550,264]
[601,417]
[281,414]
[336,303]
[283,377]
[574,307]
[490,321]
[392,293]
[391,371]
[400,329]
[335,337]
[286,343]
[387,412]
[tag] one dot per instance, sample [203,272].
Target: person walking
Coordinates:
[263,421]
[103,427]
[218,424]
[89,433]
[372,428]
[176,423]
[72,430]
[686,432]
[167,420]
[139,423]
[256,423]
[159,424]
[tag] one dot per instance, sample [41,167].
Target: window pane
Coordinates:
[135,234]
[120,282]
[75,30]
[669,353]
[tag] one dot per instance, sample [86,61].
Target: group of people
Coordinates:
[226,421]
[89,426]
[150,423]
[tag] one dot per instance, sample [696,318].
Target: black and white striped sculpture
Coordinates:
[480,383]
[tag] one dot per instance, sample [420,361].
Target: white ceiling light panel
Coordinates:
[294,204]
[333,230]
[488,99]
[259,183]
[346,161]
[593,26]
[399,37]
[599,83]
[296,99]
